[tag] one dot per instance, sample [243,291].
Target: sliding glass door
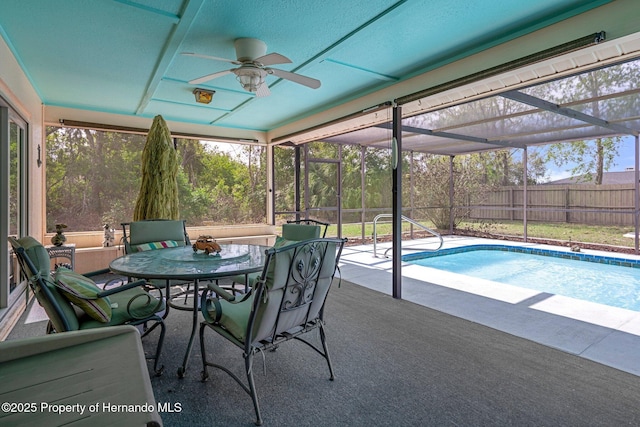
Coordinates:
[13,194]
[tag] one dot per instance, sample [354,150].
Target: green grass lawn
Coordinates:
[599,234]
[596,234]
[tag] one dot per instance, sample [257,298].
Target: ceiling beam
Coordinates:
[144,131]
[364,70]
[567,112]
[177,35]
[174,18]
[449,135]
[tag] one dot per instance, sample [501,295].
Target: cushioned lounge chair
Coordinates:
[73,301]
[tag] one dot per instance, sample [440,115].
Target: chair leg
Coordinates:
[157,370]
[248,360]
[157,322]
[323,339]
[203,354]
[186,294]
[248,363]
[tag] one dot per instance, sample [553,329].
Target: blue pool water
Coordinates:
[605,280]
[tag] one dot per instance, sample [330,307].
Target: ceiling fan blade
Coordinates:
[215,58]
[272,59]
[263,90]
[210,77]
[296,78]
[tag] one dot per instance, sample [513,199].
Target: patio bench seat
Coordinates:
[82,370]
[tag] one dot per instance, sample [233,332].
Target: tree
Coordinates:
[93,177]
[506,167]
[433,183]
[591,158]
[284,178]
[158,196]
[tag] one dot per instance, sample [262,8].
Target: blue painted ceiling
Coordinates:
[124,56]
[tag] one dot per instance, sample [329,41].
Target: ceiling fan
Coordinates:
[254,63]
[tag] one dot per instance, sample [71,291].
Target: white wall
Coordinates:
[16,89]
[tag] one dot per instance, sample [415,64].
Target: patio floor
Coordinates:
[442,356]
[601,333]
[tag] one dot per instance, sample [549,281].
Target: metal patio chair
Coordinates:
[154,234]
[73,301]
[286,302]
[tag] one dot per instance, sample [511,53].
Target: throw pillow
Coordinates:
[156,245]
[83,292]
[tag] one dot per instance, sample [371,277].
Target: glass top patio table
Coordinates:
[183,263]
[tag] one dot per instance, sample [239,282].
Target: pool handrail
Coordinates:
[404,218]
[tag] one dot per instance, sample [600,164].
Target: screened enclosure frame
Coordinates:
[521,118]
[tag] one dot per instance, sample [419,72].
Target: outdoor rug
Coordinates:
[398,364]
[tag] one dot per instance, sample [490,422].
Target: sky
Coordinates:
[624,160]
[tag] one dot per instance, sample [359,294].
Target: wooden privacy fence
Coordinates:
[580,203]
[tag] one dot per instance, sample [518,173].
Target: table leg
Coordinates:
[182,369]
[167,298]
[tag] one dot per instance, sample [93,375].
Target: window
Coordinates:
[93,178]
[13,131]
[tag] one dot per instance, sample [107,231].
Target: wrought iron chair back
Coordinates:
[295,284]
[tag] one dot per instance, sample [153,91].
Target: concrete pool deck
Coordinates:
[608,335]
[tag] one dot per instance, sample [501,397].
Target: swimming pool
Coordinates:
[605,280]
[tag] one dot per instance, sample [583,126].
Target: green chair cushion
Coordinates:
[299,232]
[142,305]
[281,241]
[40,258]
[156,230]
[156,245]
[251,278]
[234,317]
[83,292]
[37,254]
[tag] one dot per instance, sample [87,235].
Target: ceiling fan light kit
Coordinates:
[253,67]
[250,79]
